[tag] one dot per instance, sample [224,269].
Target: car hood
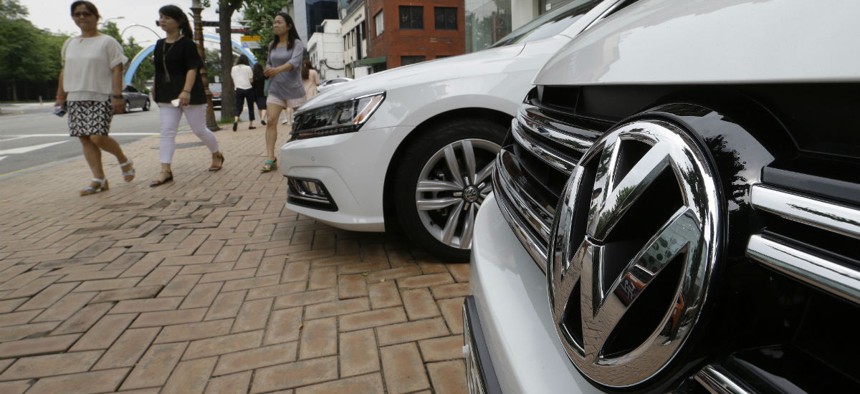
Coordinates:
[463,66]
[714,41]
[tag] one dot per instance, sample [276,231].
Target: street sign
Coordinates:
[210,23]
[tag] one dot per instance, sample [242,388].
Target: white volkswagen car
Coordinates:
[413,147]
[678,209]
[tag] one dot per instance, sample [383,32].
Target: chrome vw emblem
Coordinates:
[632,252]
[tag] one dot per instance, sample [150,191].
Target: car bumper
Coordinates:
[510,294]
[351,168]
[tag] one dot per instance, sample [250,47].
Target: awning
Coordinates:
[369,61]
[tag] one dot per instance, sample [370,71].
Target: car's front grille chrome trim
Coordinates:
[822,273]
[530,222]
[802,259]
[717,381]
[545,139]
[824,215]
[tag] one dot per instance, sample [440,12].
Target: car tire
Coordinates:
[428,190]
[127,107]
[146,105]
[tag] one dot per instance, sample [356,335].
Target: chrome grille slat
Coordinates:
[814,212]
[815,269]
[530,222]
[718,381]
[532,128]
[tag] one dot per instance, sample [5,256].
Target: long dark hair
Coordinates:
[242,60]
[306,69]
[90,7]
[175,13]
[292,33]
[258,70]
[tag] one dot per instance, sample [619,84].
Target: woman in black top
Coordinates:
[259,85]
[178,90]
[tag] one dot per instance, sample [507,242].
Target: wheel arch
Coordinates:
[491,115]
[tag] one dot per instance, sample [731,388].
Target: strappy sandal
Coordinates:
[269,165]
[164,177]
[128,176]
[96,186]
[217,167]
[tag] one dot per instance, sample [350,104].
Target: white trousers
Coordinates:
[195,115]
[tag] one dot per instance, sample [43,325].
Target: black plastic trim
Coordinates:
[825,187]
[485,364]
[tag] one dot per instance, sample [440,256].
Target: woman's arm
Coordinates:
[185,95]
[116,89]
[61,94]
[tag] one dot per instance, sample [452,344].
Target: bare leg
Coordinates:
[110,145]
[93,156]
[274,112]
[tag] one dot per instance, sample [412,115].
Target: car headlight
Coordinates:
[339,118]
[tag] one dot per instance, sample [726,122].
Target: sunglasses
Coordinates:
[82,14]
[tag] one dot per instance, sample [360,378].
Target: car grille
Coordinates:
[531,172]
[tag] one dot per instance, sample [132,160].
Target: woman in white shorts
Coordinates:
[283,68]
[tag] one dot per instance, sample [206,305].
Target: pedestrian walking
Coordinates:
[243,79]
[283,68]
[178,90]
[310,79]
[90,88]
[260,90]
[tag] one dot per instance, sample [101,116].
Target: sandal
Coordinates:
[269,165]
[217,156]
[96,186]
[128,175]
[164,177]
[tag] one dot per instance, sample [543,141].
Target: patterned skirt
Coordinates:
[89,117]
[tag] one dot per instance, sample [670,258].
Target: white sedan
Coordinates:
[412,148]
[330,83]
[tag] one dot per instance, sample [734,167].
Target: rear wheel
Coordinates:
[441,183]
[146,105]
[127,107]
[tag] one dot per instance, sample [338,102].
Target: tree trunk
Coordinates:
[228,91]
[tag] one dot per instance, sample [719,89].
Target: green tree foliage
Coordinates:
[145,71]
[29,54]
[260,14]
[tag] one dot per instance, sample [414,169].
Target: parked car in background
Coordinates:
[215,88]
[329,83]
[412,148]
[677,209]
[135,99]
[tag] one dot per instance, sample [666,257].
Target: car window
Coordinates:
[549,24]
[130,89]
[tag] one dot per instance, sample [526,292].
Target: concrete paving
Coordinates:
[210,285]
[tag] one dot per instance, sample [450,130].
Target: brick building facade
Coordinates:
[410,31]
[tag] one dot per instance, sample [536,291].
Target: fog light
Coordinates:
[309,193]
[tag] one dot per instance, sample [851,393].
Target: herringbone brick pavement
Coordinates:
[210,285]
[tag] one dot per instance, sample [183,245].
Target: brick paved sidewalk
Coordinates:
[210,285]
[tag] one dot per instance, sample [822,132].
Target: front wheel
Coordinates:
[127,107]
[442,181]
[146,105]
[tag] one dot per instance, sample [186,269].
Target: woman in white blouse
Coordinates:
[90,87]
[243,78]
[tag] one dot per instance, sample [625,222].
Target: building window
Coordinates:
[446,18]
[411,17]
[380,26]
[404,60]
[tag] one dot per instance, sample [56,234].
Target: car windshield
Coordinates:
[548,24]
